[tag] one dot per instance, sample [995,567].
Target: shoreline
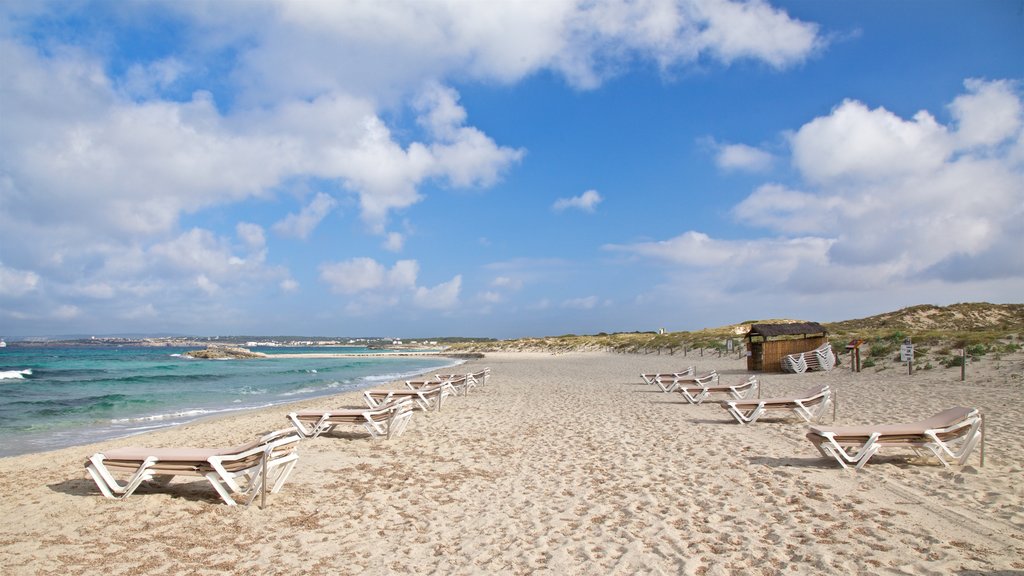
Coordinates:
[106,432]
[561,464]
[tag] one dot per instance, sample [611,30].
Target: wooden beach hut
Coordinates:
[768,343]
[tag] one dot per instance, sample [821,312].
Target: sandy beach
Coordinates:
[562,464]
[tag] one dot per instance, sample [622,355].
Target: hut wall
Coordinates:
[774,350]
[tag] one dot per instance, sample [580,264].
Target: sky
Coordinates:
[503,169]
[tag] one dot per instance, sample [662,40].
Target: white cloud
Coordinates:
[756,30]
[507,283]
[291,48]
[353,276]
[587,202]
[301,225]
[743,157]
[856,145]
[444,296]
[776,207]
[14,283]
[887,203]
[585,303]
[375,286]
[394,242]
[989,114]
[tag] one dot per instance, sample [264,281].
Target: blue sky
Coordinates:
[503,169]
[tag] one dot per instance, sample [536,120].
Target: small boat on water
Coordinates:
[2,343]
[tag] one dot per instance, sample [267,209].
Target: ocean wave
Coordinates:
[189,414]
[306,390]
[15,374]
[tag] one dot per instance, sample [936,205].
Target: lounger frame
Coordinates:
[386,420]
[273,457]
[809,406]
[653,378]
[950,443]
[672,383]
[696,393]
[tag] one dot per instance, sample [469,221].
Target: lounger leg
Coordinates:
[303,431]
[398,423]
[747,418]
[109,486]
[215,479]
[858,458]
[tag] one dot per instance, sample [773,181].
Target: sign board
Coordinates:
[728,344]
[906,352]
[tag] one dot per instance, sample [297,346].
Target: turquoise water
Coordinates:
[55,397]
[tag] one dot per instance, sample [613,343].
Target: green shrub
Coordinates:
[953,361]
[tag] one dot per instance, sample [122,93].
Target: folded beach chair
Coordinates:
[459,384]
[430,394]
[671,383]
[482,376]
[384,420]
[654,377]
[810,405]
[696,393]
[270,457]
[949,435]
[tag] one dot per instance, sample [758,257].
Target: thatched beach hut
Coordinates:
[768,343]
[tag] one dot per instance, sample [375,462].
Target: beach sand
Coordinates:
[562,464]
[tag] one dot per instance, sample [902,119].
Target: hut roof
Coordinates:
[793,329]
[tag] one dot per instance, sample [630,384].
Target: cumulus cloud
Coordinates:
[584,303]
[988,115]
[444,296]
[743,157]
[294,53]
[586,202]
[374,285]
[17,282]
[105,163]
[301,225]
[882,202]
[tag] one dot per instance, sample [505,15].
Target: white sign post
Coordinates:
[907,355]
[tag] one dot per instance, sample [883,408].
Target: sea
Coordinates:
[53,397]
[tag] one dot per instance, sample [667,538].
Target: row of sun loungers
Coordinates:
[949,436]
[248,469]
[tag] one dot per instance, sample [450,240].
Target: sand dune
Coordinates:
[563,464]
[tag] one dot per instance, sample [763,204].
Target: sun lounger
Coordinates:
[809,405]
[426,396]
[654,377]
[385,420]
[671,383]
[466,382]
[949,435]
[459,384]
[696,393]
[270,456]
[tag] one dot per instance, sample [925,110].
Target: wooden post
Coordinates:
[963,364]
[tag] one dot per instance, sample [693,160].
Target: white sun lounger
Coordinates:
[696,393]
[810,405]
[652,378]
[949,435]
[459,384]
[430,395]
[386,420]
[671,383]
[271,456]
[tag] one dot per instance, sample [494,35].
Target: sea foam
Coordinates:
[15,374]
